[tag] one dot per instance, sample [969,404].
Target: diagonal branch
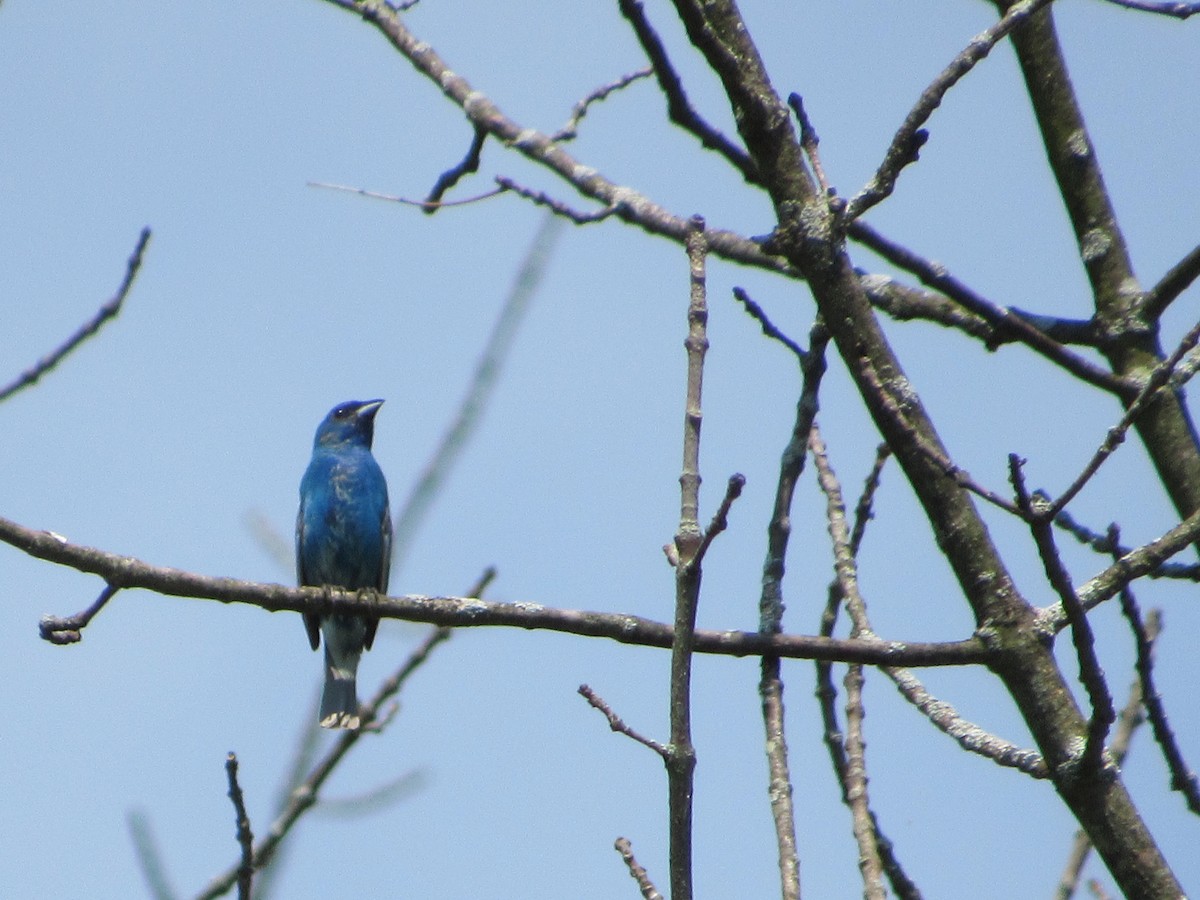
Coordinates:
[679,108]
[1171,285]
[1006,322]
[109,310]
[911,136]
[540,149]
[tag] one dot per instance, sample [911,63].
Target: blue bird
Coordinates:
[343,539]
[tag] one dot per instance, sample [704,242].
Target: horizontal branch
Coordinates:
[465,612]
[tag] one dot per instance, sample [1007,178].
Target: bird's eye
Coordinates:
[341,412]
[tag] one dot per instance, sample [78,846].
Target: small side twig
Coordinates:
[1091,675]
[541,198]
[1177,280]
[910,137]
[1130,718]
[110,310]
[679,108]
[468,165]
[1183,779]
[304,796]
[1006,323]
[1162,7]
[1159,378]
[245,837]
[617,724]
[570,130]
[1101,543]
[768,327]
[810,142]
[406,201]
[645,885]
[68,631]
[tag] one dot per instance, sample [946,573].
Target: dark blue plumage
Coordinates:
[343,539]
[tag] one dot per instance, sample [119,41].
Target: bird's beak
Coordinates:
[368,409]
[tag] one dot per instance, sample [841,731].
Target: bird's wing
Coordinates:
[385,567]
[312,623]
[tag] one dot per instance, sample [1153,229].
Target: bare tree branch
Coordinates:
[1183,779]
[1171,285]
[127,572]
[910,137]
[570,130]
[1128,721]
[468,165]
[110,310]
[680,757]
[245,837]
[645,885]
[1007,323]
[771,608]
[1163,8]
[1091,675]
[541,149]
[1102,543]
[617,724]
[1159,378]
[679,108]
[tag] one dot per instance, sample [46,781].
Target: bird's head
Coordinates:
[352,422]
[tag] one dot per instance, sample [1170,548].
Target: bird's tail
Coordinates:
[339,700]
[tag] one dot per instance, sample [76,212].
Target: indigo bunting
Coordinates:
[343,539]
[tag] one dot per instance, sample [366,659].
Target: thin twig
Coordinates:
[617,724]
[951,469]
[68,630]
[570,130]
[810,141]
[1177,280]
[541,198]
[1006,322]
[910,137]
[468,165]
[689,544]
[679,108]
[1102,543]
[645,885]
[1166,8]
[1158,379]
[245,837]
[1129,720]
[110,310]
[901,884]
[768,327]
[1129,567]
[304,796]
[392,198]
[869,862]
[1091,675]
[1183,779]
[850,758]
[770,604]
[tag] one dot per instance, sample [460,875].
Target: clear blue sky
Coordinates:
[262,302]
